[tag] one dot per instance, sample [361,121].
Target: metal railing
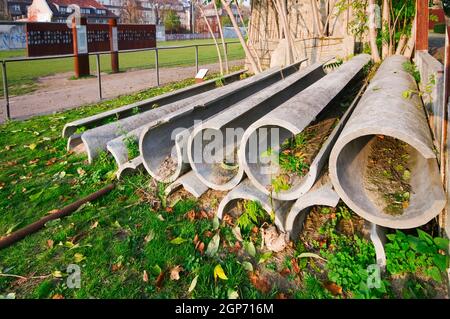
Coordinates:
[98,67]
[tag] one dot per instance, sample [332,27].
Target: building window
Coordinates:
[85,10]
[100,11]
[62,9]
[15,7]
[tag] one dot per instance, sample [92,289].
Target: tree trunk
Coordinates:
[401,44]
[240,15]
[373,32]
[248,55]
[214,39]
[385,27]
[281,10]
[221,37]
[317,18]
[411,42]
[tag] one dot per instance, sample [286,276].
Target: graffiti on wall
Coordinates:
[12,37]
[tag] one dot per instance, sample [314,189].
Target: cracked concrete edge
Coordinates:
[321,194]
[383,110]
[303,109]
[190,183]
[156,141]
[243,114]
[246,191]
[378,238]
[127,110]
[130,167]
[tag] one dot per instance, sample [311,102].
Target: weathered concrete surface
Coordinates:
[378,238]
[166,139]
[321,194]
[384,111]
[245,190]
[290,119]
[190,183]
[145,105]
[130,167]
[231,123]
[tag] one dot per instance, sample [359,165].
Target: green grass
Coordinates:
[22,76]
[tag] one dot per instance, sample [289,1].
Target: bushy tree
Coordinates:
[172,21]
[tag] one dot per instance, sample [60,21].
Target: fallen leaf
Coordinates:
[295,266]
[150,236]
[81,171]
[116,267]
[161,218]
[255,230]
[213,245]
[216,223]
[57,274]
[195,241]
[53,211]
[310,255]
[247,266]
[203,215]
[169,209]
[178,241]
[333,288]
[79,257]
[175,272]
[232,294]
[32,146]
[219,273]
[281,296]
[228,219]
[160,280]
[208,234]
[190,215]
[259,283]
[275,242]
[51,161]
[2,185]
[250,248]
[33,161]
[201,247]
[50,243]
[145,276]
[237,233]
[94,225]
[193,284]
[57,296]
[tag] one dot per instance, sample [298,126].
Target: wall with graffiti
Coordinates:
[12,36]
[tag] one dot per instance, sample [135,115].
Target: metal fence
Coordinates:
[97,55]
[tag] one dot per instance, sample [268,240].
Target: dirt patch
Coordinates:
[387,174]
[167,168]
[227,169]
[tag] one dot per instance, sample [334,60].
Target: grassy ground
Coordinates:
[135,242]
[22,75]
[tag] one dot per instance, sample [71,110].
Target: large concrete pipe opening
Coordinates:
[383,165]
[213,145]
[163,143]
[312,119]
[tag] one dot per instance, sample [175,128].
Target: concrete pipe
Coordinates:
[322,194]
[226,129]
[384,113]
[290,119]
[190,183]
[247,191]
[145,105]
[95,140]
[163,143]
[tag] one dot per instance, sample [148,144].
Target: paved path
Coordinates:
[58,93]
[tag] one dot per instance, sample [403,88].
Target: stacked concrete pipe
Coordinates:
[290,119]
[383,110]
[167,137]
[231,124]
[145,105]
[96,139]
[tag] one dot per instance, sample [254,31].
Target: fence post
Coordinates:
[226,49]
[422,22]
[157,66]
[5,90]
[114,46]
[196,59]
[99,76]
[80,50]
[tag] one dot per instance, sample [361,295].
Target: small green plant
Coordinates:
[280,183]
[220,81]
[312,289]
[411,68]
[80,130]
[423,254]
[253,215]
[135,110]
[334,65]
[132,146]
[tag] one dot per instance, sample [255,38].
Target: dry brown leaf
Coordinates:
[190,215]
[175,272]
[260,284]
[116,267]
[201,247]
[57,296]
[281,296]
[33,161]
[203,215]
[145,276]
[50,243]
[195,241]
[333,288]
[53,211]
[51,161]
[160,280]
[284,272]
[169,209]
[94,225]
[295,266]
[228,219]
[208,234]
